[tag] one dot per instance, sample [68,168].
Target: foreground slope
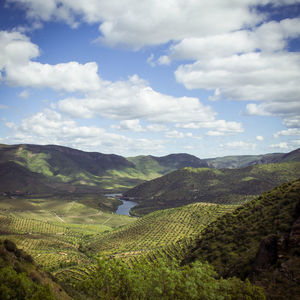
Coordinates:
[260,240]
[21,279]
[226,186]
[158,229]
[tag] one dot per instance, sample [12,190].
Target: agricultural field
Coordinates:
[158,230]
[53,231]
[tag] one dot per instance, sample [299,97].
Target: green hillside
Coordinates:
[66,170]
[259,240]
[226,186]
[240,161]
[21,279]
[158,230]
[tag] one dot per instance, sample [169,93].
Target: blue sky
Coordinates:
[151,77]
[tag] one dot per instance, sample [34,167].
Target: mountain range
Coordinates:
[48,169]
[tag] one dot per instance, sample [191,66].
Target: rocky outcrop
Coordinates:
[267,254]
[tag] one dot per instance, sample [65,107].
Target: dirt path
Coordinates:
[59,217]
[106,220]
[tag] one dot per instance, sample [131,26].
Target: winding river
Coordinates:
[124,208]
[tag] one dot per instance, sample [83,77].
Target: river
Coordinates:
[124,208]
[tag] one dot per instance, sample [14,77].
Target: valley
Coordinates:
[59,206]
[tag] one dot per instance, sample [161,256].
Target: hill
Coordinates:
[73,171]
[241,161]
[21,279]
[226,186]
[158,230]
[259,240]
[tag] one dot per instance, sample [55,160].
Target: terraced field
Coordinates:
[69,250]
[158,230]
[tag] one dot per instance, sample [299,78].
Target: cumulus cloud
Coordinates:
[138,23]
[268,37]
[135,99]
[287,145]
[128,100]
[217,127]
[174,134]
[132,125]
[288,132]
[24,94]
[50,127]
[250,76]
[16,54]
[239,145]
[248,65]
[260,138]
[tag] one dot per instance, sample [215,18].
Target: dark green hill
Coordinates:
[85,171]
[21,279]
[260,240]
[241,161]
[229,186]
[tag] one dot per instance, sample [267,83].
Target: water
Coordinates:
[125,207]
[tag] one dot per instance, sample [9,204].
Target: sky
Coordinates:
[208,78]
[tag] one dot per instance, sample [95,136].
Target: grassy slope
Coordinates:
[53,230]
[232,242]
[20,276]
[68,170]
[190,185]
[158,229]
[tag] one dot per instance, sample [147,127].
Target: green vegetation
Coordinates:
[158,230]
[53,211]
[54,231]
[226,186]
[241,161]
[234,243]
[162,279]
[20,278]
[56,170]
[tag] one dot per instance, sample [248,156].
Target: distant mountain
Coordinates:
[165,164]
[259,240]
[229,186]
[241,161]
[35,168]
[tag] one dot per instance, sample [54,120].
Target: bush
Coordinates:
[163,279]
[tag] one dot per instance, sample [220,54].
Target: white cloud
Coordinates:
[135,99]
[288,132]
[282,145]
[287,145]
[174,134]
[157,127]
[70,76]
[138,23]
[250,64]
[269,37]
[164,60]
[260,138]
[24,94]
[150,60]
[132,125]
[239,145]
[250,76]
[16,52]
[218,127]
[50,127]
